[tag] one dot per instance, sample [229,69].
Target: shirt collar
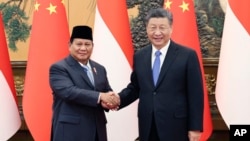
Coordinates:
[88,64]
[163,50]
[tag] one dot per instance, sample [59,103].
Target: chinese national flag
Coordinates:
[114,49]
[233,77]
[10,120]
[186,33]
[48,43]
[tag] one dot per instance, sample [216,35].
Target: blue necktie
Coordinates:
[90,75]
[156,66]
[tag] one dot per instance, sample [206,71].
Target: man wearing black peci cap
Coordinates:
[79,86]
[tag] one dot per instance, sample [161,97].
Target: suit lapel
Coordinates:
[169,59]
[148,65]
[79,70]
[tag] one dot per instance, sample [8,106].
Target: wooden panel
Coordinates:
[220,130]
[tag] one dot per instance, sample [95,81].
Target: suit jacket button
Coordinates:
[154,93]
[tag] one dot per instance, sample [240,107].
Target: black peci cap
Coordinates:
[83,32]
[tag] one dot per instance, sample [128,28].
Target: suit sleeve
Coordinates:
[129,94]
[195,93]
[65,87]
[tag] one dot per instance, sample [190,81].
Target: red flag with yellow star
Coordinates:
[186,33]
[48,43]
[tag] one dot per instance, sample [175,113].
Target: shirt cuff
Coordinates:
[99,99]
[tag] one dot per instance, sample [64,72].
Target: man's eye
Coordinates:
[153,28]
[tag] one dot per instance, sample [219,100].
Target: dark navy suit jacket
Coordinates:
[176,102]
[76,114]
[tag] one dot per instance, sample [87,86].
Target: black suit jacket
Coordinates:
[176,102]
[76,114]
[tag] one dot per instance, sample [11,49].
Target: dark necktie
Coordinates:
[156,66]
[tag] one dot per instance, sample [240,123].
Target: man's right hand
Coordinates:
[110,100]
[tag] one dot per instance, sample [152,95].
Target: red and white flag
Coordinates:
[113,48]
[233,77]
[48,44]
[186,33]
[10,120]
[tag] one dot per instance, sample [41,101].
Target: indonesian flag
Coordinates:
[10,120]
[233,78]
[48,43]
[186,33]
[113,49]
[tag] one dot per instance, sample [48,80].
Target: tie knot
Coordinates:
[157,53]
[86,68]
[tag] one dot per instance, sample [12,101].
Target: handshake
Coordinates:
[110,100]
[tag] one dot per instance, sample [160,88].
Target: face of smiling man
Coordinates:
[159,31]
[81,50]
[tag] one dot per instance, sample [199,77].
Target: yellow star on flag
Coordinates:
[36,6]
[168,4]
[51,8]
[184,6]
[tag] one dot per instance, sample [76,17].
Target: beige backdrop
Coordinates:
[78,12]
